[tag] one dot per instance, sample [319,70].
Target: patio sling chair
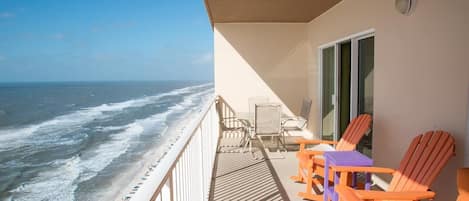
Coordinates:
[426,156]
[228,119]
[253,101]
[267,122]
[230,125]
[301,120]
[311,162]
[249,119]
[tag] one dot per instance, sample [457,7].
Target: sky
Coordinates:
[104,40]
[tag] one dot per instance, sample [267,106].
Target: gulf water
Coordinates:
[72,141]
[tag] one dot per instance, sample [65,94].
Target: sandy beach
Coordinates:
[134,177]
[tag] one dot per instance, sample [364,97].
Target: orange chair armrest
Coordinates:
[362,169]
[305,141]
[311,152]
[346,193]
[380,195]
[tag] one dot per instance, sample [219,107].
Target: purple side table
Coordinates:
[343,158]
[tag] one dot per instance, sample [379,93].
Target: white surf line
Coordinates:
[65,177]
[16,137]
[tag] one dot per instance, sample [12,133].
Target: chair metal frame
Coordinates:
[275,129]
[303,118]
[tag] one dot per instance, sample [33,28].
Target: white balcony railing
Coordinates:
[185,172]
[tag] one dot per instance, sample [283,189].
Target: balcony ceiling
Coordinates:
[225,11]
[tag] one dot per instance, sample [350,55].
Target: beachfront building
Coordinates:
[404,65]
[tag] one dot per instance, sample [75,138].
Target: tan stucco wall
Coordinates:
[421,73]
[265,59]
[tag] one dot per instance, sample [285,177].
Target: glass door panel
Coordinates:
[328,93]
[345,63]
[365,86]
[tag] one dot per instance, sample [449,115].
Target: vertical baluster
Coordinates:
[161,194]
[195,171]
[206,142]
[171,187]
[206,160]
[215,142]
[197,163]
[194,166]
[201,159]
[190,169]
[188,173]
[179,181]
[184,176]
[174,183]
[203,142]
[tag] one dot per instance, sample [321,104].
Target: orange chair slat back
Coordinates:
[426,156]
[354,132]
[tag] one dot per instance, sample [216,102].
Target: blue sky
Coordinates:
[101,40]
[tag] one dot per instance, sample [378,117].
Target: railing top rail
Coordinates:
[156,179]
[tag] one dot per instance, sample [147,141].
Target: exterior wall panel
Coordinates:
[261,59]
[421,73]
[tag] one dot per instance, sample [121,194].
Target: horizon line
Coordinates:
[90,81]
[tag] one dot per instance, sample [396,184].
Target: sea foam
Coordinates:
[17,137]
[61,180]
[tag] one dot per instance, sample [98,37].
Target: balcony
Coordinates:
[289,50]
[206,163]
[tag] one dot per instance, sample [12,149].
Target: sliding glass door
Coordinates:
[328,93]
[347,86]
[344,79]
[365,86]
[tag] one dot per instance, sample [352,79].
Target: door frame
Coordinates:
[354,38]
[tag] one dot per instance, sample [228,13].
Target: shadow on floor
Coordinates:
[242,176]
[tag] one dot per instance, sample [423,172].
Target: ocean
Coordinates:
[85,141]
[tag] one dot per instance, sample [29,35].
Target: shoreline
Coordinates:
[149,161]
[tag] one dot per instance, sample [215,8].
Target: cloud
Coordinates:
[206,58]
[5,15]
[58,36]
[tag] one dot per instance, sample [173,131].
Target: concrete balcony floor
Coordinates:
[260,176]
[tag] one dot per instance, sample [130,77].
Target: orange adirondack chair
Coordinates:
[426,156]
[463,184]
[311,163]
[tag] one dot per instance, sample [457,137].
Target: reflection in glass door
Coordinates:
[328,93]
[365,86]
